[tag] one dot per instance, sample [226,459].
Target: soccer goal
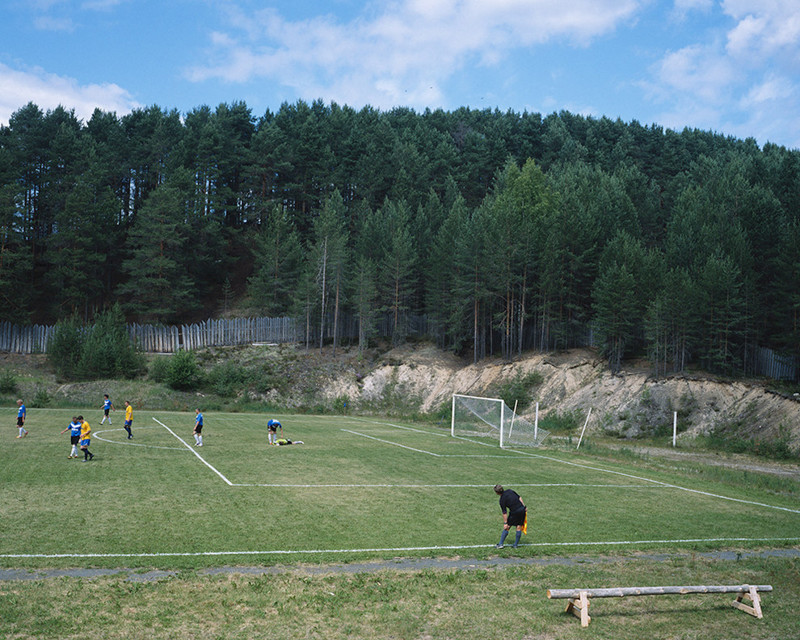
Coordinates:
[473,416]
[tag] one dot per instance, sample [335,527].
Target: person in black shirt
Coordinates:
[514,512]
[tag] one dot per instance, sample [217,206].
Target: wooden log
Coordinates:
[621,592]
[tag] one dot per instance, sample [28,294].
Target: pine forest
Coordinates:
[504,231]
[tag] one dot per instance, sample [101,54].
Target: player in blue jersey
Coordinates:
[198,429]
[22,413]
[107,406]
[74,429]
[272,427]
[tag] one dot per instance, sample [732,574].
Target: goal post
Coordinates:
[475,416]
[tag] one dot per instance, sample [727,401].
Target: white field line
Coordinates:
[443,486]
[399,426]
[402,446]
[186,444]
[584,543]
[133,444]
[430,453]
[633,477]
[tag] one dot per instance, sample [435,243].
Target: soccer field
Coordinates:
[357,488]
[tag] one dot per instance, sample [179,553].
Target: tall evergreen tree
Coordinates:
[158,287]
[277,264]
[329,254]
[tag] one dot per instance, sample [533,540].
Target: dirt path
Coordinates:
[399,564]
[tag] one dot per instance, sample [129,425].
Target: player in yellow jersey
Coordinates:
[86,436]
[128,419]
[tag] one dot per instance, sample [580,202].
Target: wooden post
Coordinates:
[579,607]
[752,595]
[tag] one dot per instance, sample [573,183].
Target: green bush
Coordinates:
[562,422]
[183,373]
[40,398]
[340,404]
[8,381]
[517,390]
[159,369]
[228,379]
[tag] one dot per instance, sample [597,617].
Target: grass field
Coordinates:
[356,488]
[362,489]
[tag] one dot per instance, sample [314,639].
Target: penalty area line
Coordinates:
[288,552]
[199,457]
[402,446]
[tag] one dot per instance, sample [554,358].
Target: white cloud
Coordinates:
[765,29]
[744,83]
[48,91]
[49,23]
[403,54]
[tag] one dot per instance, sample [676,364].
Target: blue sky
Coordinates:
[730,66]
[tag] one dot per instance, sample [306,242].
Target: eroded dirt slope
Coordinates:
[576,381]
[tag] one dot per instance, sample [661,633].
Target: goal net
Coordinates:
[491,417]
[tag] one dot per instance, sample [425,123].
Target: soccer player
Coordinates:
[198,429]
[22,413]
[86,437]
[128,419]
[273,426]
[514,513]
[107,406]
[74,428]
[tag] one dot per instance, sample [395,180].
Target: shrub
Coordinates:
[8,381]
[228,379]
[183,373]
[563,422]
[517,390]
[159,369]
[40,398]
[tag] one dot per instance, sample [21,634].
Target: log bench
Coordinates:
[578,599]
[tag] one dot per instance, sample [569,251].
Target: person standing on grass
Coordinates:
[128,419]
[198,429]
[272,427]
[107,406]
[74,428]
[515,513]
[22,413]
[86,437]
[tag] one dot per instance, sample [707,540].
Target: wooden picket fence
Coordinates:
[236,331]
[25,339]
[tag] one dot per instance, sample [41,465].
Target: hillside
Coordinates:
[625,404]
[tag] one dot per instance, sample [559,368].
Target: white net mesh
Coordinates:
[491,417]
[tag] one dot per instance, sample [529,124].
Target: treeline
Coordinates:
[508,231]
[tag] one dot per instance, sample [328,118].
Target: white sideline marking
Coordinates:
[631,476]
[594,543]
[441,486]
[186,444]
